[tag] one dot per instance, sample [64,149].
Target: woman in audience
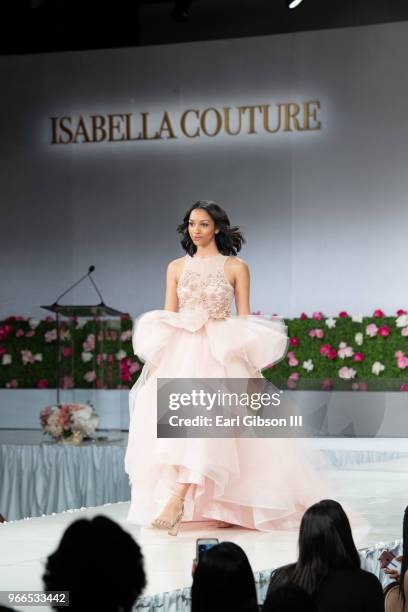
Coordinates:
[100,565]
[328,565]
[400,602]
[289,598]
[223,580]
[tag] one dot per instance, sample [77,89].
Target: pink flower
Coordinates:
[50,335]
[327,384]
[19,333]
[402,360]
[362,386]
[42,383]
[2,350]
[27,357]
[5,331]
[303,316]
[371,330]
[316,333]
[13,384]
[347,373]
[317,316]
[328,351]
[294,341]
[384,330]
[378,313]
[110,358]
[404,387]
[345,351]
[134,367]
[359,357]
[66,351]
[293,362]
[291,382]
[90,376]
[404,331]
[67,382]
[343,314]
[401,312]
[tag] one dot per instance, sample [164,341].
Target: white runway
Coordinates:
[376,488]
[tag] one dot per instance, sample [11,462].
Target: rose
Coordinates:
[86,357]
[303,316]
[292,361]
[359,338]
[317,316]
[359,357]
[90,376]
[316,333]
[33,323]
[384,331]
[402,320]
[404,387]
[404,331]
[327,384]
[401,312]
[19,333]
[27,357]
[13,384]
[347,373]
[378,313]
[42,383]
[345,351]
[343,314]
[371,330]
[66,351]
[294,341]
[308,365]
[377,367]
[50,335]
[291,382]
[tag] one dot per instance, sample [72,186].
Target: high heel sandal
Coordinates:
[174,527]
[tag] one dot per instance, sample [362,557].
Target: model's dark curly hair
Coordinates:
[229,240]
[99,563]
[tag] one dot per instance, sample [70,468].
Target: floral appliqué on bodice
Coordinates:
[203,286]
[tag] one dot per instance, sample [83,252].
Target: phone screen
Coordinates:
[205,544]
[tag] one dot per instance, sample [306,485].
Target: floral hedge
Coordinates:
[344,352]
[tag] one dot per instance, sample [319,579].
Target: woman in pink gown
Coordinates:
[257,483]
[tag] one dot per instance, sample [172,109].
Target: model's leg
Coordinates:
[173,506]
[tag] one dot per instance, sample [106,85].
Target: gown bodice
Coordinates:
[203,286]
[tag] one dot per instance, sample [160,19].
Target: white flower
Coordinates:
[345,351]
[33,323]
[359,338]
[330,322]
[38,357]
[86,356]
[347,373]
[120,354]
[6,359]
[377,368]
[308,365]
[357,318]
[80,323]
[402,320]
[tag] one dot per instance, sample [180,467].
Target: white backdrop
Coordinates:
[324,213]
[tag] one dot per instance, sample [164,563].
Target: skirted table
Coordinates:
[39,478]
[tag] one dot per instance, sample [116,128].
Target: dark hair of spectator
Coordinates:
[99,563]
[404,563]
[229,239]
[289,598]
[223,580]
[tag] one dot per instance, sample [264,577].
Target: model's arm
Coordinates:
[171,300]
[242,282]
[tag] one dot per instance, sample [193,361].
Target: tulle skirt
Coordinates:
[262,484]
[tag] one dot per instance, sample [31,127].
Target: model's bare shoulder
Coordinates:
[237,264]
[174,268]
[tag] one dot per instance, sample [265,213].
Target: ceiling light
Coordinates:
[293,3]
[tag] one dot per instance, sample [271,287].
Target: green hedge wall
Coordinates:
[324,353]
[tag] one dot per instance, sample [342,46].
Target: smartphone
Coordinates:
[204,544]
[388,560]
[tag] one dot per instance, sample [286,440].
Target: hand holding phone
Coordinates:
[203,544]
[388,561]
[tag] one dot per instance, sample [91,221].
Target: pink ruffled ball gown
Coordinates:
[257,483]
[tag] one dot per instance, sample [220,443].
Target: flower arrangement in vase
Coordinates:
[69,423]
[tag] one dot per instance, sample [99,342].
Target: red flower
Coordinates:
[359,357]
[303,316]
[343,314]
[2,350]
[42,383]
[294,341]
[384,330]
[401,312]
[404,387]
[378,313]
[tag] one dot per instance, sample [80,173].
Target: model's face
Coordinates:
[201,227]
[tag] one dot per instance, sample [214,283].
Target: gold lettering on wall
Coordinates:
[251,120]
